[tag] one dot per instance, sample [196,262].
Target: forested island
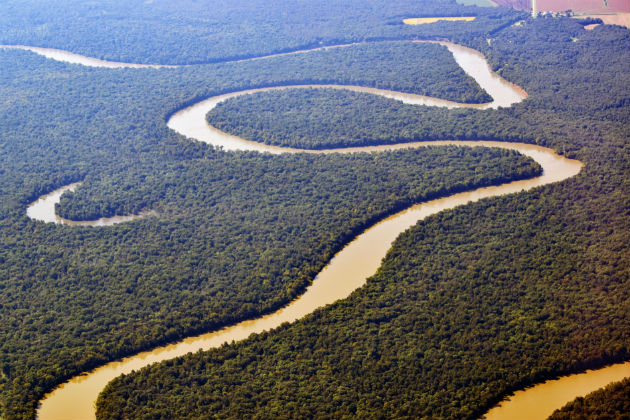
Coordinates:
[468,305]
[323,118]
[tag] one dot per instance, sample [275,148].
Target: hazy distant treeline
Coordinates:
[188,31]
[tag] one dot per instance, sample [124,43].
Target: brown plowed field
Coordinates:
[622,19]
[582,6]
[590,6]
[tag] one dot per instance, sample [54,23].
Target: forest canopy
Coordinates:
[235,235]
[469,304]
[189,32]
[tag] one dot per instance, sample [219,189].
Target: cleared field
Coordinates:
[421,21]
[622,19]
[590,6]
[579,6]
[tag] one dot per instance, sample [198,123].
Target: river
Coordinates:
[357,261]
[540,401]
[43,209]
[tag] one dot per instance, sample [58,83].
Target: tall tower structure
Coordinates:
[534,9]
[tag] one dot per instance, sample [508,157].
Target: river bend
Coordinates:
[43,209]
[357,261]
[471,61]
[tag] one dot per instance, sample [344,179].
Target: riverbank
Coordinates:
[346,263]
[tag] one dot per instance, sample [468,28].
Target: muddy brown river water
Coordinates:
[350,268]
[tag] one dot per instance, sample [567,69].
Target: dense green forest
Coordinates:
[327,118]
[302,117]
[609,403]
[235,235]
[185,32]
[471,303]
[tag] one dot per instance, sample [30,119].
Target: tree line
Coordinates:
[612,402]
[235,234]
[192,32]
[471,303]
